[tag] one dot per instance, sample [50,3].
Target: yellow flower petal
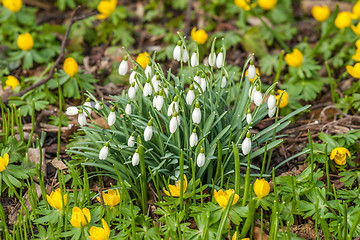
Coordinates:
[294,59]
[175,189]
[12,5]
[261,188]
[267,4]
[25,41]
[70,66]
[320,13]
[200,36]
[143,59]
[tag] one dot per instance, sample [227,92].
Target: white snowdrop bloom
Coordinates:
[132,91]
[190,95]
[112,117]
[185,56]
[104,152]
[197,79]
[87,106]
[131,141]
[194,59]
[271,102]
[173,124]
[173,105]
[177,52]
[147,91]
[128,108]
[135,159]
[223,82]
[154,101]
[200,160]
[148,132]
[251,70]
[246,144]
[272,112]
[248,118]
[166,90]
[159,101]
[156,82]
[203,83]
[81,118]
[212,59]
[123,67]
[99,106]
[132,77]
[196,114]
[220,59]
[193,138]
[252,91]
[178,119]
[257,98]
[148,71]
[72,111]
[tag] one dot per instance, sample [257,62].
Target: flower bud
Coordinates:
[220,60]
[196,115]
[99,106]
[252,70]
[257,97]
[248,117]
[131,141]
[132,91]
[70,66]
[132,77]
[148,132]
[123,67]
[148,71]
[112,117]
[203,83]
[185,56]
[194,138]
[87,106]
[194,59]
[104,152]
[81,118]
[177,52]
[128,108]
[201,158]
[136,158]
[147,91]
[173,124]
[72,111]
[261,188]
[212,59]
[156,82]
[159,101]
[223,82]
[190,95]
[271,102]
[246,144]
[25,41]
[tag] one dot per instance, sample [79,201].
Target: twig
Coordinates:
[59,58]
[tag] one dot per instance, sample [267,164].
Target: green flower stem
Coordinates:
[247,181]
[4,124]
[193,179]
[249,220]
[32,125]
[264,161]
[144,192]
[219,160]
[274,221]
[60,115]
[316,218]
[311,157]
[12,122]
[327,170]
[237,170]
[334,96]
[181,179]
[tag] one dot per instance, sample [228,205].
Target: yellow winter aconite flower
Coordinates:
[70,66]
[4,162]
[244,4]
[143,59]
[11,81]
[111,198]
[25,41]
[12,5]
[267,4]
[106,8]
[284,98]
[261,188]
[354,71]
[320,13]
[236,237]
[356,9]
[356,29]
[78,217]
[343,20]
[55,199]
[200,36]
[98,233]
[294,59]
[356,56]
[257,74]
[222,198]
[339,155]
[175,189]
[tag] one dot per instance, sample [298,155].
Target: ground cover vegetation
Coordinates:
[226,119]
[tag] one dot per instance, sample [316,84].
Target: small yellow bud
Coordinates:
[12,5]
[200,36]
[143,59]
[25,41]
[106,8]
[70,66]
[12,81]
[294,59]
[344,20]
[80,217]
[267,4]
[55,199]
[320,13]
[222,198]
[261,188]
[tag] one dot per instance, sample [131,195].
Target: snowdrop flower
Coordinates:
[132,91]
[136,158]
[252,70]
[128,108]
[252,91]
[212,59]
[194,138]
[257,96]
[155,99]
[159,101]
[203,83]
[271,100]
[248,117]
[112,117]
[190,95]
[173,123]
[72,111]
[148,131]
[99,106]
[81,118]
[172,106]
[148,71]
[155,81]
[194,59]
[272,112]
[132,76]
[196,114]
[177,52]
[178,119]
[220,59]
[223,82]
[197,79]
[246,144]
[166,90]
[104,152]
[201,158]
[185,56]
[131,141]
[87,106]
[123,67]
[147,91]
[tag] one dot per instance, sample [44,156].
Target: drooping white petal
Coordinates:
[154,101]
[173,125]
[220,60]
[132,92]
[223,82]
[177,53]
[196,115]
[156,83]
[87,107]
[98,106]
[171,107]
[272,112]
[159,102]
[123,67]
[148,133]
[203,84]
[197,79]
[252,71]
[135,159]
[185,56]
[147,91]
[246,146]
[194,60]
[128,109]
[82,119]
[131,141]
[72,111]
[271,102]
[200,159]
[132,77]
[257,98]
[148,71]
[248,118]
[111,118]
[193,139]
[212,59]
[103,153]
[190,97]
